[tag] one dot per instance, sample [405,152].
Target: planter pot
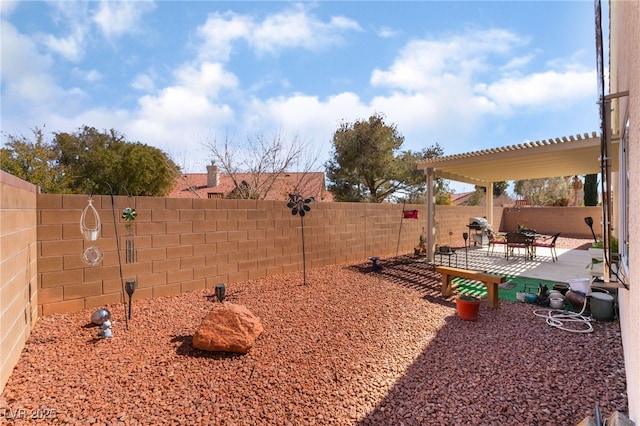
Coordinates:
[467,308]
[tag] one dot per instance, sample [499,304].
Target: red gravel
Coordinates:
[353,347]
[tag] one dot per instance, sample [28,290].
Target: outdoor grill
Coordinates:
[480,225]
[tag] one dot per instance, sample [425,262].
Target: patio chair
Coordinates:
[549,243]
[517,240]
[494,240]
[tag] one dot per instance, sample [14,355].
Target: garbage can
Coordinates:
[601,306]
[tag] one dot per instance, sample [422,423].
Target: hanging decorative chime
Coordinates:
[90,226]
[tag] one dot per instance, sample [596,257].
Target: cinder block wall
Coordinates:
[455,218]
[569,221]
[183,245]
[189,244]
[18,269]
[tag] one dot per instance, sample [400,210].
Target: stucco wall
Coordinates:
[625,75]
[18,266]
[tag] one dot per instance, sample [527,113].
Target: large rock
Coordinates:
[228,328]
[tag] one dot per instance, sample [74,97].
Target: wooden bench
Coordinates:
[491,281]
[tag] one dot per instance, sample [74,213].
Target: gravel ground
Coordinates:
[352,347]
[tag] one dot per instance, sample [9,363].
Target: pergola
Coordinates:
[566,156]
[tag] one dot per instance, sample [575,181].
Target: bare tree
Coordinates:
[257,166]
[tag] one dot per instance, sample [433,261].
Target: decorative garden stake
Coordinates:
[90,232]
[100,315]
[130,287]
[299,205]
[129,215]
[465,235]
[105,330]
[220,292]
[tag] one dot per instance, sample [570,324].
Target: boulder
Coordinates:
[228,328]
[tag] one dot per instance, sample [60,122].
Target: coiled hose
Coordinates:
[558,318]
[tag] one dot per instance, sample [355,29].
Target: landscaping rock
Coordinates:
[228,328]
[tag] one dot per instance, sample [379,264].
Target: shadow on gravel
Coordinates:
[411,272]
[186,349]
[506,368]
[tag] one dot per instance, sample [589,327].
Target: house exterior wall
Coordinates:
[624,73]
[18,269]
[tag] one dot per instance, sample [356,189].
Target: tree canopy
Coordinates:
[591,190]
[90,161]
[554,191]
[368,166]
[35,162]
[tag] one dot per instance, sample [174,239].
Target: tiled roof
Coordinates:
[194,185]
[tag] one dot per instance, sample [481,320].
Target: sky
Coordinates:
[181,75]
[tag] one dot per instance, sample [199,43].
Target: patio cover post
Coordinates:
[489,207]
[431,214]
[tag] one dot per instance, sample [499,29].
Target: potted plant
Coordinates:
[596,252]
[467,307]
[421,248]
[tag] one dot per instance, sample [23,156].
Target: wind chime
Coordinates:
[90,227]
[129,216]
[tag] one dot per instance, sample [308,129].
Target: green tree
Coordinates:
[367,165]
[35,162]
[499,188]
[91,161]
[591,190]
[544,192]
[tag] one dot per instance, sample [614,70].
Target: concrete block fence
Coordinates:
[182,245]
[18,269]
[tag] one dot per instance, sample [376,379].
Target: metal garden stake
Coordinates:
[130,288]
[299,205]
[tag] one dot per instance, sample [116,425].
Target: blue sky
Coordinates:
[178,75]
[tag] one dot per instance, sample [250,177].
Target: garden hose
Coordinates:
[558,318]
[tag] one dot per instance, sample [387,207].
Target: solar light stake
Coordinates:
[130,288]
[465,235]
[220,292]
[589,221]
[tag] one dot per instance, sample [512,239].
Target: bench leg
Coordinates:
[492,294]
[446,285]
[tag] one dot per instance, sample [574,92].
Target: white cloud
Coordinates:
[298,28]
[25,72]
[220,30]
[550,89]
[70,47]
[312,119]
[387,32]
[7,7]
[115,19]
[90,76]
[144,83]
[209,78]
[517,62]
[428,64]
[293,28]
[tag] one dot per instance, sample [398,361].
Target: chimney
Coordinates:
[213,175]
